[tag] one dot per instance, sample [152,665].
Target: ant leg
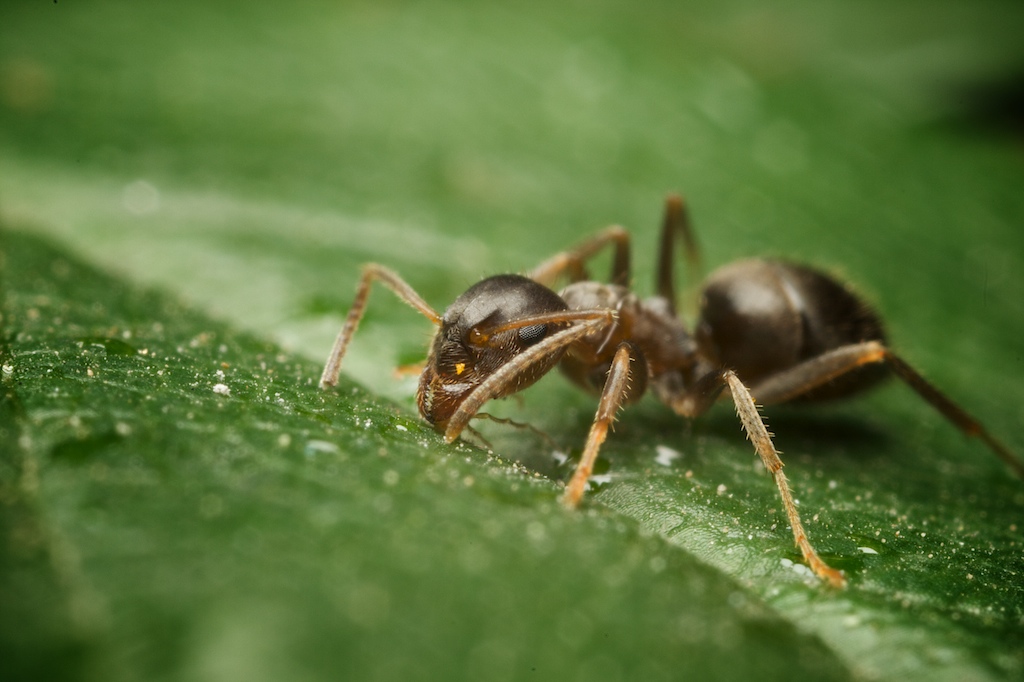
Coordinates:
[759,436]
[794,382]
[676,220]
[617,391]
[371,273]
[573,262]
[697,399]
[694,400]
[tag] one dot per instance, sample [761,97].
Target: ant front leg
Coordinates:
[796,381]
[698,399]
[624,384]
[371,273]
[573,262]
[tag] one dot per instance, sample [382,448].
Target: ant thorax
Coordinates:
[648,324]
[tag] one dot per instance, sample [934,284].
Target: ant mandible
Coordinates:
[768,329]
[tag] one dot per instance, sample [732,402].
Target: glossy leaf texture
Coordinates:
[186,195]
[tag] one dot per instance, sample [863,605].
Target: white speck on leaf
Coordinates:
[314,447]
[666,455]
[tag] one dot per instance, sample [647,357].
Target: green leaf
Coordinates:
[198,508]
[246,159]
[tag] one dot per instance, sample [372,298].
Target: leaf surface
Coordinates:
[245,159]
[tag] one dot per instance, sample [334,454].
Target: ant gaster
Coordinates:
[767,329]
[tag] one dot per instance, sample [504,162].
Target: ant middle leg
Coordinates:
[698,398]
[805,377]
[573,262]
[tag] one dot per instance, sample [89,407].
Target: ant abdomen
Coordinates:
[759,317]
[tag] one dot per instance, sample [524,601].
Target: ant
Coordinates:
[768,329]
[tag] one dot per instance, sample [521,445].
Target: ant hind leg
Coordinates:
[803,378]
[677,222]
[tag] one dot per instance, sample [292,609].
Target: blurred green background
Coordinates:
[246,158]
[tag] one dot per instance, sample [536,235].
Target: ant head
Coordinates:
[483,330]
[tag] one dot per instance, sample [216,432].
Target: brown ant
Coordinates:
[768,329]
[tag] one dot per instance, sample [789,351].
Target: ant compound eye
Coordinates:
[532,334]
